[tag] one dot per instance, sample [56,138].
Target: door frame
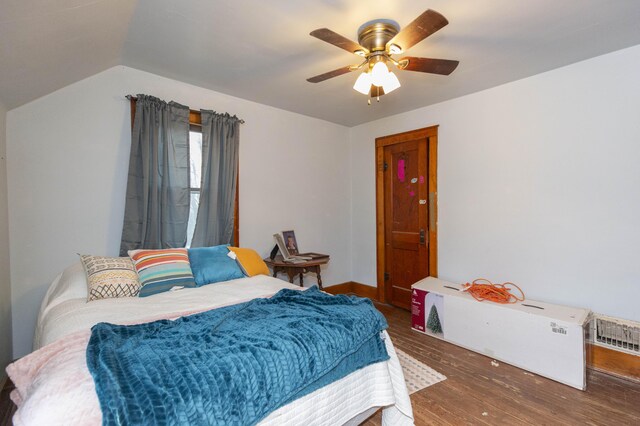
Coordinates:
[431,134]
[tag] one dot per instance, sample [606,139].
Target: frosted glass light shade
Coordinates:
[379,73]
[363,83]
[391,82]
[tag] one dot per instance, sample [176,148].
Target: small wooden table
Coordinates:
[292,269]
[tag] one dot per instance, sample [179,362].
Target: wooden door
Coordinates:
[407,182]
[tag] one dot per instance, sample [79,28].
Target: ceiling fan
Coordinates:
[378,41]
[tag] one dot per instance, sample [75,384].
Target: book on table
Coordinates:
[289,256]
[313,256]
[286,255]
[306,257]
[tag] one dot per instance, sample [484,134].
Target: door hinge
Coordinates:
[386,276]
[385,166]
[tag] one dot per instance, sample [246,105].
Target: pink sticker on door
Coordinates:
[421,179]
[401,175]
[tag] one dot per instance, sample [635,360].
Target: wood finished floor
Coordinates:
[476,393]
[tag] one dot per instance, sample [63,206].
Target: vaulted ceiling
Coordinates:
[262,51]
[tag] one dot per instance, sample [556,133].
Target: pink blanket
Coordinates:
[54,386]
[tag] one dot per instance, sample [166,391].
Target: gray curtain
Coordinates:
[220,140]
[157,205]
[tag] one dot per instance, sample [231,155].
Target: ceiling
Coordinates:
[262,51]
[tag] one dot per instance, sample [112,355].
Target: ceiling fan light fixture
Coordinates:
[363,83]
[378,41]
[391,83]
[379,73]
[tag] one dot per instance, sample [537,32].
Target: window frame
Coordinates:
[195,125]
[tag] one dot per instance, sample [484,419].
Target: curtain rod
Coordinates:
[133,98]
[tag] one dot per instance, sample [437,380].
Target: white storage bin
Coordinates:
[545,339]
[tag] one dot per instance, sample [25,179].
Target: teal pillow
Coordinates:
[212,265]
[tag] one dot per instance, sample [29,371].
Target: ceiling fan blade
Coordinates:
[421,27]
[336,39]
[432,66]
[331,74]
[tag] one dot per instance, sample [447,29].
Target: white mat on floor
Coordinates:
[416,374]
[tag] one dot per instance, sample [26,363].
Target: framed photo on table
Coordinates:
[290,242]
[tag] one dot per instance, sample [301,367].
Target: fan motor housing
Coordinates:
[374,35]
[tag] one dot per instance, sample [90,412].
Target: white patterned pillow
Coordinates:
[110,277]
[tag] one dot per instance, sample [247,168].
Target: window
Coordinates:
[195,174]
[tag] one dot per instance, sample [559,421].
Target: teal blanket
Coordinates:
[232,365]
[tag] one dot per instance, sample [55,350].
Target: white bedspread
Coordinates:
[61,317]
[50,391]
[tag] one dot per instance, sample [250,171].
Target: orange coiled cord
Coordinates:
[482,289]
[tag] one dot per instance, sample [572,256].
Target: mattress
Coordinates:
[65,314]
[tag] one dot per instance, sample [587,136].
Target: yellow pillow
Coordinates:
[250,261]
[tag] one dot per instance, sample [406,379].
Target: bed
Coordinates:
[53,384]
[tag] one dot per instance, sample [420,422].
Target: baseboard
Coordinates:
[344,288]
[363,290]
[352,287]
[615,363]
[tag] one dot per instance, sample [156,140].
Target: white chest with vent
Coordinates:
[545,339]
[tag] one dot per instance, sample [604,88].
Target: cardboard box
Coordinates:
[540,337]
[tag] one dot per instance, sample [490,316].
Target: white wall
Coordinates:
[67,172]
[539,184]
[5,284]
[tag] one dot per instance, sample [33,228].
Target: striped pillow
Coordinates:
[161,270]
